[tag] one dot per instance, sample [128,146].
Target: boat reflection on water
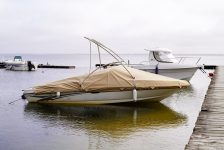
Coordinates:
[116,120]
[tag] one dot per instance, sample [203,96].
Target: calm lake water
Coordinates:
[166,125]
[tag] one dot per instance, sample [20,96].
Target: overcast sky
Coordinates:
[127,26]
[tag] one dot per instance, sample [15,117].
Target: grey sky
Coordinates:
[127,26]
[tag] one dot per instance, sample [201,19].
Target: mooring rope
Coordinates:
[15,101]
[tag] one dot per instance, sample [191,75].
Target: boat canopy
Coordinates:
[116,78]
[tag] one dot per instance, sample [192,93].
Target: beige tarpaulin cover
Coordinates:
[111,79]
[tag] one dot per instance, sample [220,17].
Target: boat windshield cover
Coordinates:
[166,57]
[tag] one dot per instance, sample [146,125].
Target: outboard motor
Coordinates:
[30,66]
[2,65]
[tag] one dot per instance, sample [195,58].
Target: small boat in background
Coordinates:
[17,64]
[163,62]
[111,84]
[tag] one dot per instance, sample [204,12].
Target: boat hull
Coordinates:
[23,66]
[17,67]
[154,95]
[173,72]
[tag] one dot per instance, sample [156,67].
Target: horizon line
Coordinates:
[108,54]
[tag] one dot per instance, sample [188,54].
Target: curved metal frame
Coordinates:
[109,51]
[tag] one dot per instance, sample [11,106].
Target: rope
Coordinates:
[15,101]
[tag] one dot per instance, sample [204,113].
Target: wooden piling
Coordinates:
[209,129]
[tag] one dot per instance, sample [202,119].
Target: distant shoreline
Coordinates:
[185,54]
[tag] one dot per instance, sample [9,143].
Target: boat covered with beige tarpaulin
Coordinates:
[113,81]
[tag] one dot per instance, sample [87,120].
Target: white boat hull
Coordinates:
[102,97]
[177,72]
[22,66]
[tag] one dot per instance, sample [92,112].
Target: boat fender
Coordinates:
[135,95]
[58,94]
[157,70]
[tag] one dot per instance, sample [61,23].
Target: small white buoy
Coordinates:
[58,94]
[135,95]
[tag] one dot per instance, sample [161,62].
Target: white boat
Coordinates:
[115,84]
[163,62]
[17,64]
